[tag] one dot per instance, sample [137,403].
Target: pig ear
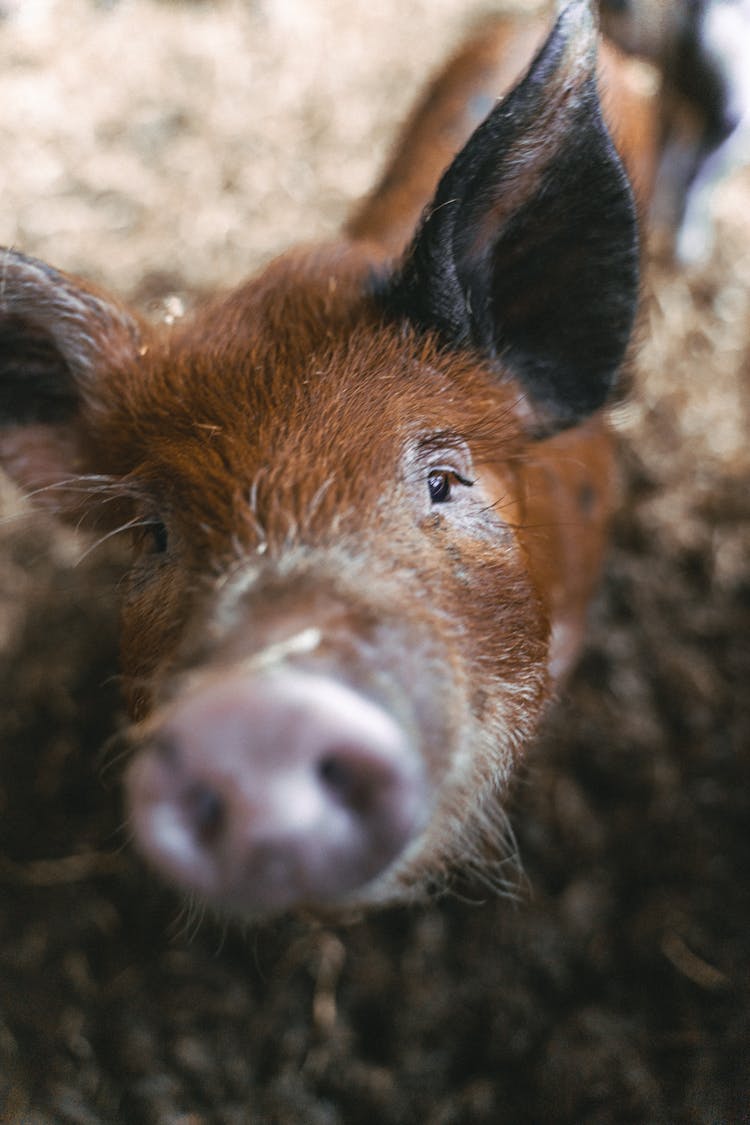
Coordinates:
[528,250]
[56,338]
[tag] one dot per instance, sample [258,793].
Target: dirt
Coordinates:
[165,148]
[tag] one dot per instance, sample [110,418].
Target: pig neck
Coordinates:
[567,492]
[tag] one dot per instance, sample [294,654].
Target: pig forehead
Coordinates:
[302,352]
[369,392]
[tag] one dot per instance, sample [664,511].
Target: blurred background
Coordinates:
[148,136]
[164,148]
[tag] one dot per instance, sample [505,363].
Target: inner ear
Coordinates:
[529,249]
[61,341]
[36,383]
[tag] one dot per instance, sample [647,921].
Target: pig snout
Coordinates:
[265,792]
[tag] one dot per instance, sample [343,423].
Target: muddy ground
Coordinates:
[164,148]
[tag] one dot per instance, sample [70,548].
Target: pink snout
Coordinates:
[264,792]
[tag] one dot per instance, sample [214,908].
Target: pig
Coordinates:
[702,51]
[368,492]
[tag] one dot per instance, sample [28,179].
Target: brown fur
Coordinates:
[284,436]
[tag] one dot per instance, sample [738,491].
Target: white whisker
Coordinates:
[138,521]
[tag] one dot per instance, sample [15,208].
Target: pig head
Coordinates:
[367,493]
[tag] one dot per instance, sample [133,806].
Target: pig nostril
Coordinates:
[206,811]
[348,780]
[335,775]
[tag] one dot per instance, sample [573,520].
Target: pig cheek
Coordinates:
[506,643]
[153,619]
[503,621]
[498,688]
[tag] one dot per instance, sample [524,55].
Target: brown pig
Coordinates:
[368,492]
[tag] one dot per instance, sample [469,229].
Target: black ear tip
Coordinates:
[577,15]
[575,35]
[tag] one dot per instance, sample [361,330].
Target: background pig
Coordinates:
[360,568]
[702,50]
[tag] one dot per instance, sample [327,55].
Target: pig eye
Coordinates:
[158,537]
[440,482]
